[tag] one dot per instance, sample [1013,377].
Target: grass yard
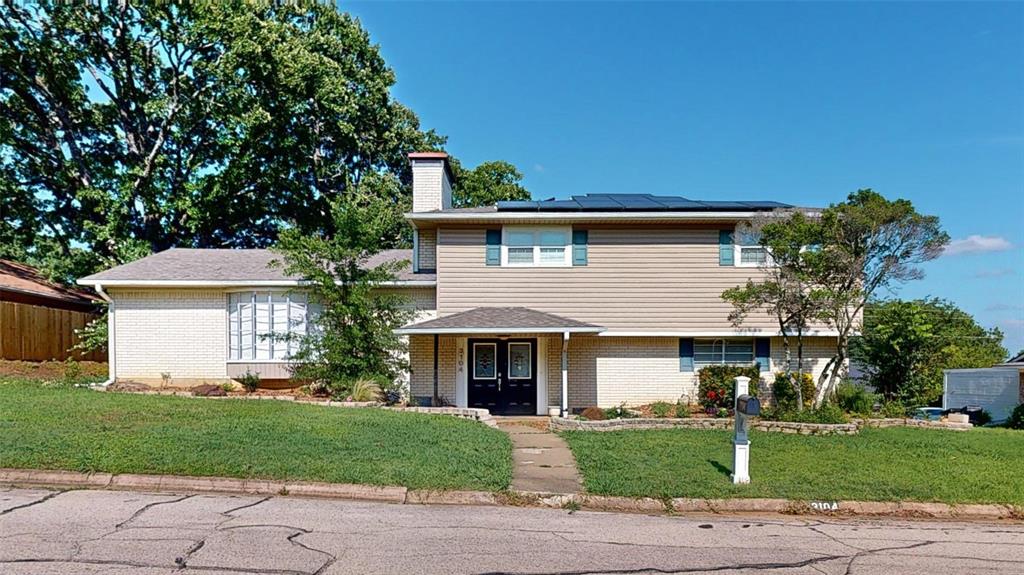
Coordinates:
[977,466]
[59,427]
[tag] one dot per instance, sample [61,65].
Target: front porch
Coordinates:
[510,361]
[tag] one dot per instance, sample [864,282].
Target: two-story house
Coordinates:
[527,307]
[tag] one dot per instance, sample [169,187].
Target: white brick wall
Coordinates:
[178,331]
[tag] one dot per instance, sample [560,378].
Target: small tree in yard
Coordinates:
[786,292]
[827,267]
[869,244]
[354,333]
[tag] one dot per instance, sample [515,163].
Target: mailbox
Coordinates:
[748,405]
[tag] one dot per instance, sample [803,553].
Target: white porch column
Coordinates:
[565,374]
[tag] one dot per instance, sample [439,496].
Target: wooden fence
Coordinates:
[35,333]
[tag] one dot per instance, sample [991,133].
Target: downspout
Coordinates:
[436,399]
[111,356]
[565,374]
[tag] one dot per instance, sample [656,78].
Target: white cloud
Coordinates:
[994,273]
[975,244]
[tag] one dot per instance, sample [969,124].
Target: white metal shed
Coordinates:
[997,390]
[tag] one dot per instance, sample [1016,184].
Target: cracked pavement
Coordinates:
[118,532]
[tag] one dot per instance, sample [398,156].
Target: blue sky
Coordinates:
[801,103]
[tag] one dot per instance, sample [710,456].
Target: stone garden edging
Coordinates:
[852,428]
[55,479]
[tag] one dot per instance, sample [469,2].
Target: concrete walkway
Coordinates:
[541,460]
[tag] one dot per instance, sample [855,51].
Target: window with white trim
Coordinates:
[265,325]
[749,252]
[536,246]
[723,352]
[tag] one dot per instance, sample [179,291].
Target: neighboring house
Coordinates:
[526,307]
[38,318]
[996,389]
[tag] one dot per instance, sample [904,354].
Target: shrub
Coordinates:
[1016,420]
[717,384]
[593,414]
[828,413]
[250,381]
[392,391]
[364,389]
[662,409]
[893,409]
[785,394]
[682,410]
[619,412]
[854,398]
[72,372]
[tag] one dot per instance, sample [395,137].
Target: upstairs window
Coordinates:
[536,246]
[266,325]
[749,252]
[723,352]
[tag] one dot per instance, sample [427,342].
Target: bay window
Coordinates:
[267,325]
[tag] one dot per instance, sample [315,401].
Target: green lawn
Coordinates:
[977,466]
[84,430]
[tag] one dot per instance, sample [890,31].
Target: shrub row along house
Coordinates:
[525,307]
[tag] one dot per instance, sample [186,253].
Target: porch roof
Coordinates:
[499,320]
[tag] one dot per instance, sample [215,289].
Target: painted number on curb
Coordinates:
[824,505]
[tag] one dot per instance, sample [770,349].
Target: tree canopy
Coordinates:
[906,344]
[131,127]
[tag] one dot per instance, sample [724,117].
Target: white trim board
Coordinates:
[412,330]
[714,333]
[233,283]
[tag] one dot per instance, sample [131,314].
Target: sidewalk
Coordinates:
[542,462]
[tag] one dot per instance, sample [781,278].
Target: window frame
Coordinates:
[697,364]
[494,366]
[738,252]
[270,294]
[536,232]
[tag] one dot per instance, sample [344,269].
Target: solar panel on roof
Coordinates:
[635,201]
[597,202]
[518,205]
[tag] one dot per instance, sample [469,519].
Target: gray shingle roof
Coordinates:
[185,264]
[635,203]
[500,320]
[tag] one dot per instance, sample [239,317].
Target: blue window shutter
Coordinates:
[725,251]
[579,247]
[494,247]
[685,354]
[763,353]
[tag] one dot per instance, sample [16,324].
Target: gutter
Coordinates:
[111,356]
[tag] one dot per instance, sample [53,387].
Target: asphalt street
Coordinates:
[89,532]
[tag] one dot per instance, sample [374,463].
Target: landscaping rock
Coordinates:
[208,390]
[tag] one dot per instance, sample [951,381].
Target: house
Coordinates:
[38,318]
[524,307]
[996,389]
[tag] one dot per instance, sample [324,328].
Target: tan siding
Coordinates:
[651,278]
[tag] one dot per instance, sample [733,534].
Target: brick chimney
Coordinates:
[431,181]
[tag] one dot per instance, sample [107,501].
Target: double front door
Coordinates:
[503,375]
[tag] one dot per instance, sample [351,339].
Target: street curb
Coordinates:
[403,495]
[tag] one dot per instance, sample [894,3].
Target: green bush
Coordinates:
[893,409]
[250,381]
[984,418]
[682,410]
[662,409]
[717,384]
[785,394]
[854,398]
[1016,420]
[828,413]
[619,412]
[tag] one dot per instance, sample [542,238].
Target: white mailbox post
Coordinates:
[745,406]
